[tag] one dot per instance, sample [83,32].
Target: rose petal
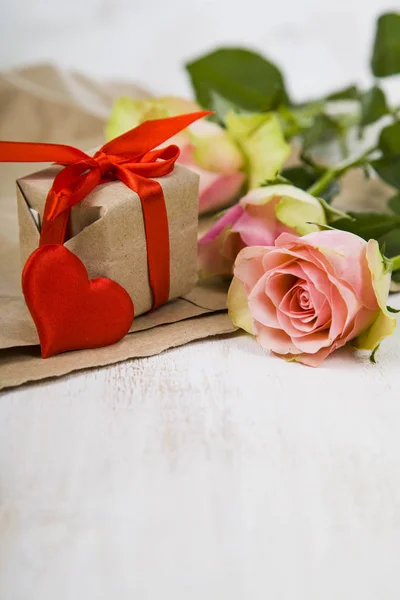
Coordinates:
[351,301]
[255,231]
[274,339]
[290,303]
[346,255]
[313,342]
[227,220]
[382,327]
[215,190]
[278,283]
[276,258]
[248,266]
[312,360]
[215,150]
[217,256]
[304,331]
[300,216]
[261,307]
[362,321]
[238,309]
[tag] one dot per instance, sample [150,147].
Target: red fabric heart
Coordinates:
[70,311]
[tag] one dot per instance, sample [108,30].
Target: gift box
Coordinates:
[106,231]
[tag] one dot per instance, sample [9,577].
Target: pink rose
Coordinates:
[305,297]
[257,220]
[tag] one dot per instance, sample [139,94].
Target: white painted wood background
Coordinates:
[212,471]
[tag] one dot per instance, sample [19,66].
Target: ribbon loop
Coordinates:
[134,158]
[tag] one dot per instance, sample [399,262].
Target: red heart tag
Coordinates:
[70,311]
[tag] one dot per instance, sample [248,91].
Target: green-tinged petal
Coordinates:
[296,208]
[385,323]
[261,139]
[216,151]
[242,126]
[383,326]
[265,193]
[380,273]
[128,112]
[238,308]
[299,215]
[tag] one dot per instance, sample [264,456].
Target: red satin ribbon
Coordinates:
[130,158]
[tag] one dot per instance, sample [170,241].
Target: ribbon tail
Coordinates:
[39,152]
[150,134]
[157,233]
[53,231]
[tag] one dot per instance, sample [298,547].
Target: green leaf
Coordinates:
[373,106]
[277,180]
[304,177]
[374,351]
[391,240]
[242,77]
[396,276]
[349,93]
[389,139]
[388,168]
[394,204]
[321,227]
[322,130]
[386,53]
[393,310]
[369,225]
[221,106]
[301,116]
[300,176]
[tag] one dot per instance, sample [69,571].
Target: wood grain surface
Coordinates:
[212,471]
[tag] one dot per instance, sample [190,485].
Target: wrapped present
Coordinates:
[105,237]
[106,231]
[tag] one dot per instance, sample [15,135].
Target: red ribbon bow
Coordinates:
[130,158]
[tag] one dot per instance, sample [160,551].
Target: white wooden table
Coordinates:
[212,471]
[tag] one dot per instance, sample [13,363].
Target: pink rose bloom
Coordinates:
[305,297]
[257,220]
